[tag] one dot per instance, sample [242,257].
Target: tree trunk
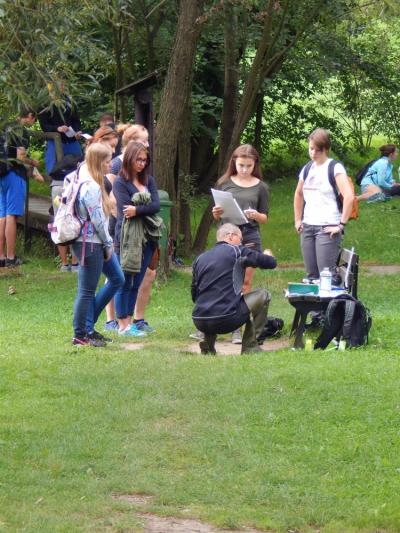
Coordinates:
[231,83]
[176,93]
[258,124]
[184,187]
[266,63]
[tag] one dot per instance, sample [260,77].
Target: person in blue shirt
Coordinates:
[378,183]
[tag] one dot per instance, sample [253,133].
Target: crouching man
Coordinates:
[218,276]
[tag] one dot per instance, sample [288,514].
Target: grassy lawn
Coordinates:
[299,441]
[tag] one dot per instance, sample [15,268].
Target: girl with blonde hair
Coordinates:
[94,247]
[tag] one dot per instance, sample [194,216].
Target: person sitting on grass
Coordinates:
[378,183]
[220,307]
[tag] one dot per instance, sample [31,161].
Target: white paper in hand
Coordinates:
[70,132]
[231,208]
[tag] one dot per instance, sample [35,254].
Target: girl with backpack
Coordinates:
[318,220]
[94,247]
[378,184]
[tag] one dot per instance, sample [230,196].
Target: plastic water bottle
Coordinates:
[325,282]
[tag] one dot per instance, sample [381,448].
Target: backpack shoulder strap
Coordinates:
[306,169]
[349,312]
[332,181]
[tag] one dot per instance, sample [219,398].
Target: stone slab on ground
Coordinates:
[132,346]
[225,347]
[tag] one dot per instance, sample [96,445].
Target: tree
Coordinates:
[176,93]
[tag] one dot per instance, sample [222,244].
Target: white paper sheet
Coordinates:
[230,206]
[70,132]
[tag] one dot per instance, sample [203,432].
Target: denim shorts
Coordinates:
[251,237]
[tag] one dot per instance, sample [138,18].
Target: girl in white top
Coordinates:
[318,219]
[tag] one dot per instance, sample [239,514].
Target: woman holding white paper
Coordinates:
[243,179]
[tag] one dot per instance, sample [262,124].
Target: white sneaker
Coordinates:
[236,337]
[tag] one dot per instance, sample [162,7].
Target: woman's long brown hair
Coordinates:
[244,150]
[131,153]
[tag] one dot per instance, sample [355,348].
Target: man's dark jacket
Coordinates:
[214,292]
[52,118]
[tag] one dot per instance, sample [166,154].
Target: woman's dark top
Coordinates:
[255,197]
[123,191]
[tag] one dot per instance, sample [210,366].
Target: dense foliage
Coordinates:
[266,71]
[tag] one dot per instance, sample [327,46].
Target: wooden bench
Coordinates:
[347,268]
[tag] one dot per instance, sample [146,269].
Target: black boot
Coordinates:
[207,346]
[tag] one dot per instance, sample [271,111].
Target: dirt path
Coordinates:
[170,524]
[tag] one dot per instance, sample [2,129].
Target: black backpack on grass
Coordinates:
[345,318]
[361,173]
[272,328]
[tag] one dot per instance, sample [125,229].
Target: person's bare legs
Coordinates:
[248,279]
[144,293]
[63,253]
[11,235]
[369,191]
[110,310]
[2,238]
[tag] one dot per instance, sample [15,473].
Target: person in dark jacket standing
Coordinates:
[61,120]
[220,306]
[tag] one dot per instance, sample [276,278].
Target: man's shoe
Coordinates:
[2,263]
[142,325]
[236,337]
[197,335]
[65,268]
[86,341]
[75,268]
[206,349]
[98,336]
[111,325]
[16,261]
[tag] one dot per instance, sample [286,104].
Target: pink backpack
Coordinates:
[67,223]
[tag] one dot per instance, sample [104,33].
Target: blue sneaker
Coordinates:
[142,325]
[132,331]
[111,325]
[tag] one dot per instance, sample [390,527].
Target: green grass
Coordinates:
[283,441]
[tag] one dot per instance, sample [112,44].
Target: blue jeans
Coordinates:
[125,298]
[88,278]
[115,280]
